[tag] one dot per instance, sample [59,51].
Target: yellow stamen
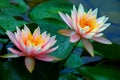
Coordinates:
[86,21]
[30,40]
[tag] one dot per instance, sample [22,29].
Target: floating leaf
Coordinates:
[74,61]
[17,8]
[13,71]
[9,23]
[4,3]
[50,9]
[100,72]
[108,51]
[69,77]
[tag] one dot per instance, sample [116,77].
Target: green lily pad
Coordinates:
[9,23]
[111,52]
[100,72]
[74,61]
[4,3]
[69,77]
[13,71]
[50,9]
[16,8]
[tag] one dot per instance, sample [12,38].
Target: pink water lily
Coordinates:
[85,26]
[31,46]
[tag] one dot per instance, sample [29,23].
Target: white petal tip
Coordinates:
[102,40]
[7,32]
[74,7]
[59,12]
[109,42]
[92,54]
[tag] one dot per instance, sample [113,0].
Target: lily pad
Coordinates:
[100,72]
[74,61]
[111,52]
[13,7]
[9,23]
[13,71]
[50,9]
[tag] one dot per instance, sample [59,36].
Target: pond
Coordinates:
[48,40]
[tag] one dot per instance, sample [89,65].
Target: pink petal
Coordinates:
[66,19]
[29,50]
[45,47]
[74,10]
[88,35]
[69,20]
[94,12]
[74,20]
[45,52]
[42,50]
[65,32]
[89,13]
[98,35]
[30,63]
[13,39]
[80,30]
[26,29]
[88,46]
[50,50]
[46,58]
[18,31]
[102,40]
[51,41]
[102,28]
[36,49]
[21,43]
[74,37]
[47,38]
[44,34]
[16,52]
[102,20]
[9,56]
[36,32]
[80,11]
[52,38]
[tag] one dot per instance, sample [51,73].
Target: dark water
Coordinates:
[109,8]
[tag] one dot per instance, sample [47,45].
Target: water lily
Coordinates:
[85,26]
[31,46]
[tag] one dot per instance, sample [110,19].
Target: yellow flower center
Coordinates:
[30,40]
[88,21]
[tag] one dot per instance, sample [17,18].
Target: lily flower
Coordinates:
[85,26]
[31,46]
